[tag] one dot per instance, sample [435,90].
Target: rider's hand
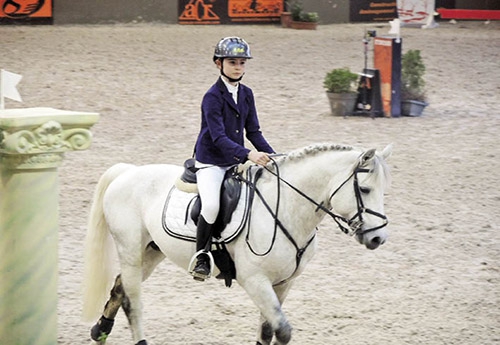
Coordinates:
[260,158]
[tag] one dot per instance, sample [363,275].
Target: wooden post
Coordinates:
[387,59]
[32,146]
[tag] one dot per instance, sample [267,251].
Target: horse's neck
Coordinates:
[317,175]
[313,176]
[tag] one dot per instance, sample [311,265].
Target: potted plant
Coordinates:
[413,97]
[303,20]
[341,90]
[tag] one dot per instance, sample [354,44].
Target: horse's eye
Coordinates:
[365,190]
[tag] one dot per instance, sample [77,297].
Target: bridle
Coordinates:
[354,224]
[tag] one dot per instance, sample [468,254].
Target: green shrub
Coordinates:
[299,15]
[309,17]
[340,80]
[412,73]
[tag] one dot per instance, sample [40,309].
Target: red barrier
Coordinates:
[468,14]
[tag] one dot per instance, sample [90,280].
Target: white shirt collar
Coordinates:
[232,89]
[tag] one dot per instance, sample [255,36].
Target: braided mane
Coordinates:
[381,169]
[313,150]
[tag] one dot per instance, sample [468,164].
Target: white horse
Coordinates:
[292,196]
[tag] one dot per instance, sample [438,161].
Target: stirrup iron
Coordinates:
[193,261]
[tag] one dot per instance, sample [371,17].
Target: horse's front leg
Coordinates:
[273,320]
[265,332]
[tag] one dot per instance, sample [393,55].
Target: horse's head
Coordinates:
[360,199]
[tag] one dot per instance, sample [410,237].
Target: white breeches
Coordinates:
[209,179]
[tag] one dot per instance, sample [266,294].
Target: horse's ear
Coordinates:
[386,153]
[366,157]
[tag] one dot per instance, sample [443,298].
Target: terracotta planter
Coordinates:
[286,19]
[412,108]
[303,25]
[342,104]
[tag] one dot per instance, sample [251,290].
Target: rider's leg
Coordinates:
[203,243]
[209,179]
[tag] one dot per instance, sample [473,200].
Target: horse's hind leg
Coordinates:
[131,303]
[118,298]
[103,327]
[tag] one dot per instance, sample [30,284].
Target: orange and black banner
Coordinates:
[229,11]
[373,10]
[25,11]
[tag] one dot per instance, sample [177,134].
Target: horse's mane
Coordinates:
[381,167]
[313,149]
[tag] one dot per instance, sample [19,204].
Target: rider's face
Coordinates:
[233,67]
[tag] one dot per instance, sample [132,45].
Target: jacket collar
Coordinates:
[228,97]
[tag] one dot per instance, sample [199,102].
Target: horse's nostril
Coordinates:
[377,240]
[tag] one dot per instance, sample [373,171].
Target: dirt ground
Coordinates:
[436,281]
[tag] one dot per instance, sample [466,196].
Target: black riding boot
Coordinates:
[201,270]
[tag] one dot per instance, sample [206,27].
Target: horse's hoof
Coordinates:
[284,333]
[142,342]
[97,335]
[101,330]
[266,333]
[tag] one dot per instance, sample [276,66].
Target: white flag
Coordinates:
[8,89]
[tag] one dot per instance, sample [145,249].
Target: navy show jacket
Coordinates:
[221,138]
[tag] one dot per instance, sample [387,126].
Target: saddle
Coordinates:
[229,200]
[229,196]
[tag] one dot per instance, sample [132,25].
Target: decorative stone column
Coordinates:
[32,146]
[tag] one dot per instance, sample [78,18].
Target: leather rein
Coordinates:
[354,224]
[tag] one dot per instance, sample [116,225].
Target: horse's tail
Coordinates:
[99,257]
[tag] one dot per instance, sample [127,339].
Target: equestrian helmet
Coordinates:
[232,47]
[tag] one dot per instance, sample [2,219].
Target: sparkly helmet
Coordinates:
[232,47]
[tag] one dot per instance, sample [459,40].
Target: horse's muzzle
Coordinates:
[372,240]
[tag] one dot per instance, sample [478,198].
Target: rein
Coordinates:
[277,223]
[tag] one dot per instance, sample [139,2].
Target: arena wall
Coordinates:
[165,11]
[114,11]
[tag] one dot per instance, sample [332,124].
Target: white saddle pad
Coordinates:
[177,222]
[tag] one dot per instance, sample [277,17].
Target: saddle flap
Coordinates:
[229,198]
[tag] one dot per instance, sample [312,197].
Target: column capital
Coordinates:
[36,138]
